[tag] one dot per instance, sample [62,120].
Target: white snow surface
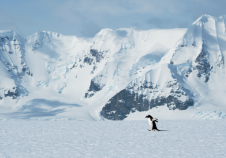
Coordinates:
[48,74]
[102,139]
[52,77]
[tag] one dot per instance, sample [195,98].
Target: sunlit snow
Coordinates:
[101,139]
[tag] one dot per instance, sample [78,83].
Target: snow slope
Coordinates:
[191,77]
[98,139]
[117,74]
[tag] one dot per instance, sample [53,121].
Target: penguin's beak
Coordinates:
[145,117]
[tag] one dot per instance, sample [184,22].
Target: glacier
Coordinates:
[118,74]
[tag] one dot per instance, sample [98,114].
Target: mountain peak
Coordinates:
[7,32]
[48,33]
[204,18]
[104,32]
[11,35]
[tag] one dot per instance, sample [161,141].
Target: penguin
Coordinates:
[152,123]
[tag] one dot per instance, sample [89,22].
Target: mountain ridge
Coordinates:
[112,75]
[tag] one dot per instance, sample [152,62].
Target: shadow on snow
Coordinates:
[39,108]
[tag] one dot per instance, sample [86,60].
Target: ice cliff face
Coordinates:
[116,74]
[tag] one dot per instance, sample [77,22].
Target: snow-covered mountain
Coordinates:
[118,74]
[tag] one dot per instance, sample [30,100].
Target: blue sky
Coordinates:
[87,17]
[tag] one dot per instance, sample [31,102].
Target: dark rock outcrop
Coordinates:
[12,94]
[96,54]
[93,57]
[145,95]
[125,102]
[94,87]
[203,65]
[88,60]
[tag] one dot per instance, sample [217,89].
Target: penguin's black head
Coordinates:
[149,116]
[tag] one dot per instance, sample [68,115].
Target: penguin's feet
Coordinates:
[149,130]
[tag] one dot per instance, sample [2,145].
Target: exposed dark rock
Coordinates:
[27,70]
[96,54]
[133,99]
[94,57]
[94,87]
[203,65]
[24,69]
[125,102]
[74,66]
[188,72]
[94,68]
[12,94]
[88,60]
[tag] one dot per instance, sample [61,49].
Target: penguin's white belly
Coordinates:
[150,123]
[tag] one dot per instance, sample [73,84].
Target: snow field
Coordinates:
[187,138]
